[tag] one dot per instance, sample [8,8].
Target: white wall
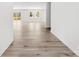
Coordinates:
[29,5]
[65,23]
[6,31]
[26,12]
[35,18]
[48,14]
[25,8]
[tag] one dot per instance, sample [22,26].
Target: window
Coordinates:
[17,15]
[37,14]
[31,14]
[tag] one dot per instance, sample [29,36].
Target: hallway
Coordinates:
[33,40]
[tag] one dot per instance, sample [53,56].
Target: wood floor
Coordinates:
[33,40]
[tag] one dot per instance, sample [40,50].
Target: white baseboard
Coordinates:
[4,49]
[60,38]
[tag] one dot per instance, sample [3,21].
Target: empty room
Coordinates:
[39,29]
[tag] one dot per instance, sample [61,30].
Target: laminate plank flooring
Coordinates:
[33,40]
